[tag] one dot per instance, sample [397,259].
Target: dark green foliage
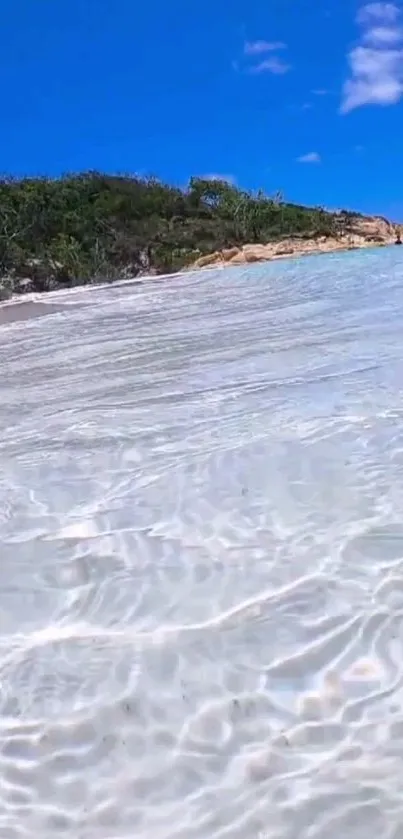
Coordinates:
[91,227]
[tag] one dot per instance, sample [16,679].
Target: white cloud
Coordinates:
[384,12]
[271,63]
[274,65]
[259,47]
[376,78]
[311,157]
[376,63]
[383,35]
[229,179]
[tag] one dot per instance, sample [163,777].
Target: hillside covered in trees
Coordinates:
[91,227]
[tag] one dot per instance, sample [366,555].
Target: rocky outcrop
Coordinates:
[365,232]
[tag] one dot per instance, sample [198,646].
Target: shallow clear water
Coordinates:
[201,556]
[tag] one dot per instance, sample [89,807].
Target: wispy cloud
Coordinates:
[311,157]
[229,179]
[376,63]
[320,91]
[383,35]
[259,47]
[262,57]
[386,12]
[274,65]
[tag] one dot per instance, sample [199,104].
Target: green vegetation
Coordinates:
[92,227]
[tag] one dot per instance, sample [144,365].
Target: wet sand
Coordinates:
[27,310]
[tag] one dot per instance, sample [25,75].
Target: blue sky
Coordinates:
[301,96]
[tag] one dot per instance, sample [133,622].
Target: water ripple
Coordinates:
[201,596]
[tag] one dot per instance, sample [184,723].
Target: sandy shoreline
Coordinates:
[287,249]
[21,307]
[38,304]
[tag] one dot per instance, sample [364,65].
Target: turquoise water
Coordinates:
[201,556]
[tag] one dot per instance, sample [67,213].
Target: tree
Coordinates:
[88,226]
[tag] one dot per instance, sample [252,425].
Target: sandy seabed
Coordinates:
[201,542]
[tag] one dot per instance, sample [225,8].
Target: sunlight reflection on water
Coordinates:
[201,537]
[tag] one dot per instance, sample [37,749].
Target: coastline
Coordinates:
[21,307]
[104,228]
[290,248]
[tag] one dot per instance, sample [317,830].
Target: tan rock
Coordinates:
[229,253]
[238,259]
[255,253]
[284,250]
[253,256]
[208,259]
[364,232]
[368,226]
